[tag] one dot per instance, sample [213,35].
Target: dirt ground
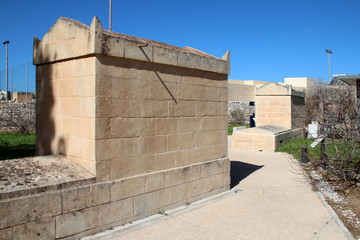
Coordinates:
[349,210]
[343,199]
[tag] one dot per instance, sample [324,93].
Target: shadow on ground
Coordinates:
[240,171]
[20,151]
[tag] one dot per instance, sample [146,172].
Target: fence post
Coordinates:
[304,157]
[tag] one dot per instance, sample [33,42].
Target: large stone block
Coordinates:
[185,157]
[103,171]
[154,182]
[79,127]
[131,127]
[154,109]
[165,56]
[138,51]
[131,166]
[164,160]
[27,209]
[189,92]
[92,217]
[207,138]
[152,144]
[195,80]
[84,197]
[181,109]
[210,153]
[42,229]
[180,141]
[214,123]
[102,128]
[6,234]
[211,108]
[182,175]
[125,188]
[211,168]
[116,148]
[189,124]
[164,126]
[160,90]
[151,201]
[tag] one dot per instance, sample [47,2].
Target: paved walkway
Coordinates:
[275,201]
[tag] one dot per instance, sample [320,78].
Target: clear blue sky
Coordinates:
[268,40]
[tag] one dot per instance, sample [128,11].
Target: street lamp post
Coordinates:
[110,11]
[6,43]
[329,52]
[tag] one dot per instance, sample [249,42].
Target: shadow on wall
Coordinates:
[45,108]
[240,171]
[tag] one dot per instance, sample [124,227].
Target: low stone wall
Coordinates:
[260,139]
[72,210]
[17,116]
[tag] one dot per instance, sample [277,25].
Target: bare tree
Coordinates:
[334,108]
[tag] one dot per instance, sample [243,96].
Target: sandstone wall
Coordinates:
[279,105]
[65,116]
[146,119]
[151,117]
[273,110]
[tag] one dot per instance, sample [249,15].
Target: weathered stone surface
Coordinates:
[131,166]
[125,188]
[153,144]
[26,209]
[207,138]
[92,217]
[154,182]
[116,148]
[85,197]
[42,229]
[182,175]
[151,201]
[180,141]
[164,126]
[189,124]
[182,109]
[211,168]
[214,123]
[37,174]
[131,127]
[6,234]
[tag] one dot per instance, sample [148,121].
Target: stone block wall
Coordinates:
[66,110]
[153,117]
[273,110]
[79,210]
[279,105]
[147,120]
[238,91]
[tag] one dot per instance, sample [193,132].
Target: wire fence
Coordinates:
[20,81]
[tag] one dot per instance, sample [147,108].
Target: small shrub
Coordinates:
[237,117]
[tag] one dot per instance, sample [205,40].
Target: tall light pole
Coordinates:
[110,16]
[6,43]
[329,52]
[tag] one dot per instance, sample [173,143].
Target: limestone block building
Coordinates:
[145,119]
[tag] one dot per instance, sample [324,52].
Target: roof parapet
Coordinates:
[69,39]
